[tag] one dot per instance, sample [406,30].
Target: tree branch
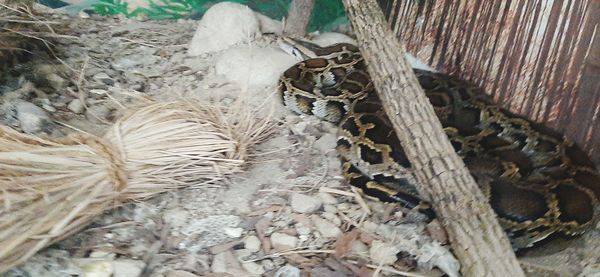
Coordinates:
[298,17]
[475,235]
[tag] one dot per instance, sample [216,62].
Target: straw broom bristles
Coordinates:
[50,189]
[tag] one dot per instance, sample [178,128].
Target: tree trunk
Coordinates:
[475,235]
[298,17]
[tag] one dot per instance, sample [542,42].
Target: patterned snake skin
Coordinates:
[537,182]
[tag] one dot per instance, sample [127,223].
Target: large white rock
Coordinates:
[269,25]
[329,38]
[223,25]
[253,67]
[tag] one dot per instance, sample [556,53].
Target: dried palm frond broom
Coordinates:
[50,189]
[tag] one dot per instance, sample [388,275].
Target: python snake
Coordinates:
[537,182]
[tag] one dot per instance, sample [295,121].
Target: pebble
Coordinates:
[103,78]
[268,264]
[252,243]
[224,262]
[302,230]
[343,206]
[180,273]
[97,93]
[253,268]
[242,254]
[102,255]
[327,198]
[283,241]
[55,81]
[288,271]
[329,208]
[326,228]
[76,106]
[47,105]
[382,253]
[370,226]
[332,217]
[305,204]
[233,232]
[326,143]
[32,118]
[359,248]
[97,269]
[128,268]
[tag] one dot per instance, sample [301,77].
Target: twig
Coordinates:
[387,269]
[291,251]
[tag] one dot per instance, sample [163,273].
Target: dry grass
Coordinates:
[50,189]
[22,30]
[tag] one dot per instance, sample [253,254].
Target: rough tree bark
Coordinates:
[475,235]
[298,17]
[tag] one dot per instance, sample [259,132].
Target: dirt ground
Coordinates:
[289,214]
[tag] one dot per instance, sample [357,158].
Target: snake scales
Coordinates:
[537,182]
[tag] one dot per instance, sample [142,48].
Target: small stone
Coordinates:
[76,106]
[331,216]
[219,264]
[382,253]
[343,206]
[359,248]
[326,228]
[302,230]
[46,105]
[180,273]
[252,243]
[253,268]
[283,241]
[32,118]
[98,92]
[242,254]
[55,81]
[97,269]
[329,209]
[326,143]
[233,232]
[327,198]
[128,268]
[304,204]
[370,226]
[224,262]
[103,78]
[288,271]
[102,255]
[268,264]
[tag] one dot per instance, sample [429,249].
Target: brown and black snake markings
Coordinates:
[537,182]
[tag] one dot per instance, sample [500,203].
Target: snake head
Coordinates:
[297,48]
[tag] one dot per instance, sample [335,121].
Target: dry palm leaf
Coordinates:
[50,189]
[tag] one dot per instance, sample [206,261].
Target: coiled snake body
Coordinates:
[537,182]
